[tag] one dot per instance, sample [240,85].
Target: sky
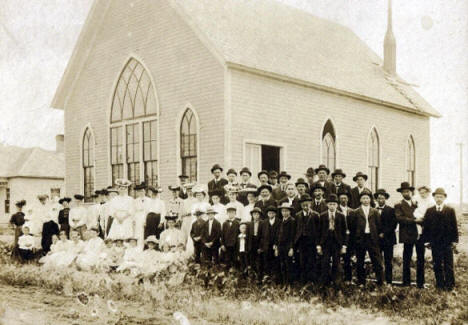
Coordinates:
[37,39]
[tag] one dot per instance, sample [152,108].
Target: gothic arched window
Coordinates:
[188,145]
[329,146]
[411,161]
[88,164]
[373,158]
[134,126]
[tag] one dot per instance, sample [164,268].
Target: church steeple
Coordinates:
[390,44]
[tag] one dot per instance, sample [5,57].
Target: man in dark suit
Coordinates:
[280,191]
[211,236]
[264,198]
[218,182]
[263,178]
[196,233]
[305,242]
[440,230]
[332,243]
[229,233]
[344,198]
[409,237]
[285,243]
[183,190]
[257,232]
[367,230]
[273,225]
[360,178]
[322,172]
[245,185]
[291,198]
[302,188]
[318,204]
[338,175]
[389,223]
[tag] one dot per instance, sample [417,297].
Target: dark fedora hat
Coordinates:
[360,174]
[231,171]
[65,199]
[262,172]
[316,186]
[332,198]
[260,188]
[79,197]
[405,186]
[273,174]
[322,167]
[305,198]
[216,166]
[182,176]
[245,170]
[302,181]
[381,191]
[440,191]
[310,171]
[365,192]
[256,209]
[286,205]
[344,192]
[141,186]
[284,174]
[271,208]
[338,172]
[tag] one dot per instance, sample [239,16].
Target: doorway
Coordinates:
[262,157]
[271,158]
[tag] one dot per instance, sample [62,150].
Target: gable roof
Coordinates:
[267,36]
[31,162]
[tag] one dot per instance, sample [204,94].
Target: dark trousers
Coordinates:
[331,250]
[230,256]
[272,264]
[26,254]
[211,255]
[197,247]
[407,256]
[243,261]
[367,245]
[307,256]
[286,265]
[348,271]
[387,252]
[442,258]
[257,260]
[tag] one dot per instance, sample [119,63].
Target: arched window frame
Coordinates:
[411,160]
[373,159]
[134,126]
[88,162]
[178,128]
[189,144]
[328,150]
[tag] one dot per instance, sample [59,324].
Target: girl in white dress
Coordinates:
[150,258]
[121,208]
[131,262]
[57,251]
[89,257]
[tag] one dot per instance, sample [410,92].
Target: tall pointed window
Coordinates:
[134,126]
[373,157]
[329,146]
[411,161]
[88,164]
[188,145]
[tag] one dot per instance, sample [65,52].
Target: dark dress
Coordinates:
[152,225]
[18,221]
[63,220]
[49,229]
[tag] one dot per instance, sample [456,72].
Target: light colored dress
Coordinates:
[150,262]
[220,212]
[246,216]
[57,252]
[121,208]
[90,254]
[142,205]
[131,260]
[73,249]
[93,216]
[172,237]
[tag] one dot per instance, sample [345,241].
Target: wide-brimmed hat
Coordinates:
[79,197]
[284,174]
[98,192]
[210,210]
[122,182]
[360,174]
[338,172]
[216,166]
[104,191]
[261,188]
[199,189]
[152,239]
[332,198]
[231,171]
[21,203]
[155,189]
[131,238]
[141,186]
[365,192]
[262,172]
[182,176]
[305,198]
[316,186]
[256,209]
[440,191]
[112,190]
[198,213]
[286,205]
[232,188]
[344,192]
[424,187]
[245,170]
[302,181]
[231,207]
[171,216]
[322,167]
[405,186]
[381,191]
[173,188]
[271,208]
[310,172]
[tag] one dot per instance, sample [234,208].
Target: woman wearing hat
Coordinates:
[172,237]
[17,221]
[122,210]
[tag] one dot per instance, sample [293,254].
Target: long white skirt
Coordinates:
[123,230]
[139,231]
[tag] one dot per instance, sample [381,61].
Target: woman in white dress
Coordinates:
[121,208]
[142,205]
[72,250]
[172,237]
[89,257]
[57,251]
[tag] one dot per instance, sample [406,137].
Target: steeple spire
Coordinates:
[390,44]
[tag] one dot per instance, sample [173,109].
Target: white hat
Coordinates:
[199,188]
[152,239]
[123,182]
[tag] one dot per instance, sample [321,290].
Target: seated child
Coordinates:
[89,257]
[150,257]
[105,257]
[130,263]
[26,245]
[73,249]
[118,251]
[57,250]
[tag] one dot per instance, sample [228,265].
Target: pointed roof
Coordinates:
[31,162]
[266,36]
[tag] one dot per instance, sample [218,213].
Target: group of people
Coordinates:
[311,230]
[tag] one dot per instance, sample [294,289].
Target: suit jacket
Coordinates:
[355,201]
[215,235]
[229,233]
[197,229]
[343,187]
[273,232]
[308,226]
[287,233]
[329,188]
[339,233]
[405,216]
[262,239]
[219,186]
[358,225]
[264,206]
[389,223]
[322,207]
[295,204]
[183,195]
[440,228]
[278,194]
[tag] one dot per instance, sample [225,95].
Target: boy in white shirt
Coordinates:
[26,244]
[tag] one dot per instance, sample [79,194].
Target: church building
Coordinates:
[156,88]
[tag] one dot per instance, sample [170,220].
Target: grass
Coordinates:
[225,298]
